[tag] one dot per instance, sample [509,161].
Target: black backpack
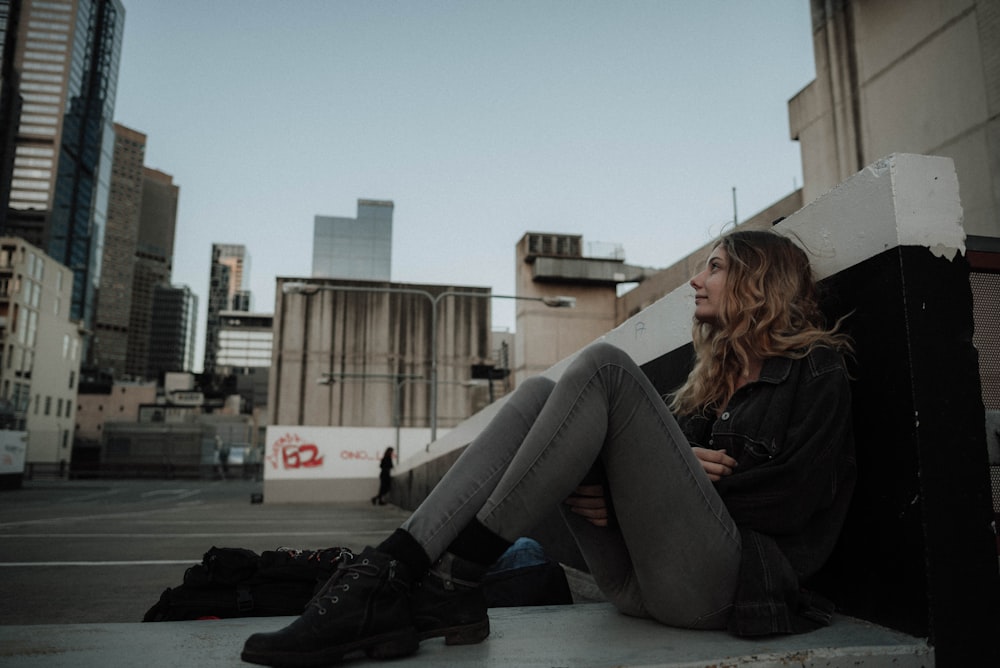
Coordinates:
[236,582]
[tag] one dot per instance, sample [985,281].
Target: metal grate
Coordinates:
[995,479]
[986,312]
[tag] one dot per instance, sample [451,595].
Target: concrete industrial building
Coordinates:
[920,76]
[355,248]
[550,265]
[372,350]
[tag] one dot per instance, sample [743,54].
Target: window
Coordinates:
[48,405]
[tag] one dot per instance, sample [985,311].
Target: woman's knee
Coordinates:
[600,354]
[536,389]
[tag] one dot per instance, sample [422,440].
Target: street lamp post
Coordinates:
[295,287]
[398,381]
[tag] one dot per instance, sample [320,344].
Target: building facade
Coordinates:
[556,265]
[153,262]
[66,62]
[914,76]
[173,331]
[244,341]
[355,248]
[114,296]
[227,291]
[364,356]
[40,348]
[245,349]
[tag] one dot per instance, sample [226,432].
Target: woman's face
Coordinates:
[710,286]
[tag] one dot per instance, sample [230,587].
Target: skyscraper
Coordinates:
[230,271]
[172,334]
[154,257]
[66,59]
[121,238]
[355,248]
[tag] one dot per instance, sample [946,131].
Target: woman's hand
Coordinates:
[716,463]
[588,501]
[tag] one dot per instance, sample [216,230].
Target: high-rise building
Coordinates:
[66,61]
[154,255]
[10,99]
[355,248]
[121,239]
[173,331]
[227,291]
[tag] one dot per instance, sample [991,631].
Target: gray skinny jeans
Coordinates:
[672,553]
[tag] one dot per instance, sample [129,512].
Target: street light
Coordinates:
[398,381]
[302,287]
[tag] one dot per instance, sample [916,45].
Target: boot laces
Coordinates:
[346,570]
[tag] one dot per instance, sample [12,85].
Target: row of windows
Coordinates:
[40,88]
[50,57]
[48,25]
[20,397]
[32,174]
[27,199]
[38,34]
[29,185]
[39,4]
[34,47]
[49,15]
[35,118]
[35,150]
[37,130]
[41,98]
[43,67]
[40,109]
[40,76]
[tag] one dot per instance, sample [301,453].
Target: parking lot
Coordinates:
[101,551]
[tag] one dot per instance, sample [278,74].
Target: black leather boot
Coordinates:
[365,606]
[449,602]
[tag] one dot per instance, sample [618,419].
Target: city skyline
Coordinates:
[628,124]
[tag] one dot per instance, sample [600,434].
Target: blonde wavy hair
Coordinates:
[770,308]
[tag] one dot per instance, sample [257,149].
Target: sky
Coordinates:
[627,122]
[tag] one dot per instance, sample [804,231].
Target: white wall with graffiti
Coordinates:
[296,452]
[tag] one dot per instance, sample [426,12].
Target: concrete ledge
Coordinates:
[576,635]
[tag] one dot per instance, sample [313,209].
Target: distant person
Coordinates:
[384,477]
[222,457]
[705,509]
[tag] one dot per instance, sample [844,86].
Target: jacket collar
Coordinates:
[775,370]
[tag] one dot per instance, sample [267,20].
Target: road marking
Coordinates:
[214,534]
[177,493]
[159,562]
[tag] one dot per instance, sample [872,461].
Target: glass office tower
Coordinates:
[66,58]
[354,248]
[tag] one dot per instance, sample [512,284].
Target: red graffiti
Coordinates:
[358,454]
[290,453]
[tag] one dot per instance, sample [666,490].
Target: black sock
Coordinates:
[477,543]
[404,547]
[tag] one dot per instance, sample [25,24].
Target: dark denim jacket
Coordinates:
[791,433]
